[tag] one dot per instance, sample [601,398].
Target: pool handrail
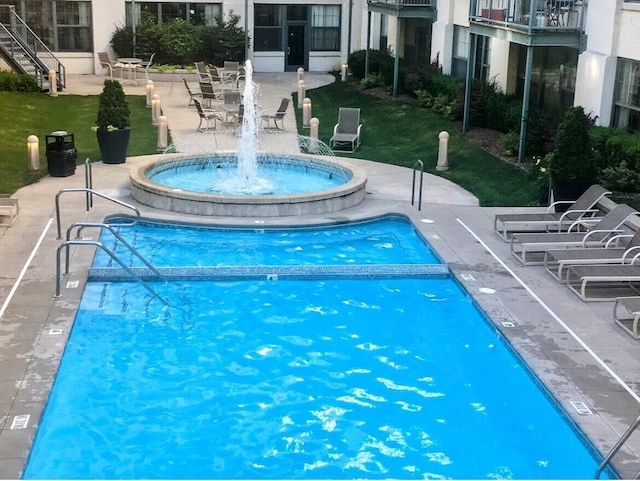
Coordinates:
[110,228]
[623,439]
[417,164]
[91,192]
[99,244]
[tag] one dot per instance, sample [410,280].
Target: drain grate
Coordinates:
[580,407]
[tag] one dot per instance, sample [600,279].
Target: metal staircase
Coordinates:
[26,53]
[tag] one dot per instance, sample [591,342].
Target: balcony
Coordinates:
[404,8]
[530,22]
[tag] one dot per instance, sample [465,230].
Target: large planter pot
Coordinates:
[568,190]
[113,145]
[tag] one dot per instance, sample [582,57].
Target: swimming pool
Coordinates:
[396,377]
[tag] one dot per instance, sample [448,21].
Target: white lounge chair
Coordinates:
[346,132]
[530,249]
[604,282]
[506,225]
[557,261]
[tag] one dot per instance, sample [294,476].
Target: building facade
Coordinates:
[554,52]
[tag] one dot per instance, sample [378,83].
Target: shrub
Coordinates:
[372,81]
[510,143]
[572,157]
[113,107]
[621,178]
[180,40]
[13,82]
[381,63]
[225,41]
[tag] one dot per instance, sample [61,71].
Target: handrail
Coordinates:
[43,54]
[413,187]
[110,228]
[617,447]
[92,192]
[65,244]
[88,181]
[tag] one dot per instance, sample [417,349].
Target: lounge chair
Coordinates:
[626,314]
[557,261]
[604,282]
[276,116]
[529,248]
[506,225]
[211,117]
[347,131]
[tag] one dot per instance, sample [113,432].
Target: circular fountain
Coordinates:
[249,183]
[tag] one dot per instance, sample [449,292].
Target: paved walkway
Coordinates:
[573,346]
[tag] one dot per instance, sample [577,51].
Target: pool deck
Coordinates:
[591,366]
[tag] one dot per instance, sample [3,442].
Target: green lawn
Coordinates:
[25,114]
[392,132]
[398,133]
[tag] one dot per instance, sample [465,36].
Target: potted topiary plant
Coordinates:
[572,163]
[113,124]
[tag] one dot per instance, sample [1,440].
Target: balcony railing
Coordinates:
[530,14]
[403,3]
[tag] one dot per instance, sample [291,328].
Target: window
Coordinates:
[64,26]
[268,28]
[384,35]
[626,114]
[460,52]
[325,27]
[483,55]
[196,13]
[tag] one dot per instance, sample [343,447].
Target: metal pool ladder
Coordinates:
[417,164]
[617,447]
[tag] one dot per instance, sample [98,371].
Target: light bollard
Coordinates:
[33,152]
[149,87]
[300,73]
[155,109]
[443,161]
[163,128]
[53,83]
[314,125]
[306,113]
[343,72]
[301,92]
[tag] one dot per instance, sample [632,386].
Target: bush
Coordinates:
[113,107]
[621,178]
[180,40]
[372,81]
[13,82]
[572,157]
[381,63]
[510,144]
[225,41]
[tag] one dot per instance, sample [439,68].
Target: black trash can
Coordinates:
[61,154]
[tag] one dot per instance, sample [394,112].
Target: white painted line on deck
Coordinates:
[554,315]
[24,269]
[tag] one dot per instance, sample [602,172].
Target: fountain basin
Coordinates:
[153,194]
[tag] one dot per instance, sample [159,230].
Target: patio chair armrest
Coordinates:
[597,231]
[583,222]
[578,211]
[616,238]
[552,207]
[359,128]
[631,251]
[335,129]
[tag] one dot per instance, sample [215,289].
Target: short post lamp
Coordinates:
[33,152]
[443,161]
[53,83]
[301,92]
[149,92]
[300,73]
[306,113]
[343,72]
[155,109]
[163,127]
[314,125]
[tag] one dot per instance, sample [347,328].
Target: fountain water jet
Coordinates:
[249,192]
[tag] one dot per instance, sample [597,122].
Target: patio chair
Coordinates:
[106,62]
[626,314]
[203,72]
[530,248]
[347,131]
[146,64]
[557,261]
[211,117]
[506,225]
[208,93]
[276,116]
[192,95]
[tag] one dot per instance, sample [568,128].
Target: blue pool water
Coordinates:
[296,379]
